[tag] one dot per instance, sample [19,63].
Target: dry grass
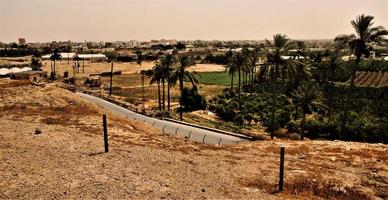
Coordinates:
[142,156]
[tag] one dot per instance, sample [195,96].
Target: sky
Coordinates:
[114,20]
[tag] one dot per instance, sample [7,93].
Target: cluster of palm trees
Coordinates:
[277,65]
[169,70]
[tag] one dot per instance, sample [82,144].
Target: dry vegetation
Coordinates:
[65,159]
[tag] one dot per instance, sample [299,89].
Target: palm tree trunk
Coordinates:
[302,124]
[239,85]
[54,68]
[164,99]
[159,99]
[345,114]
[180,99]
[252,77]
[168,96]
[231,82]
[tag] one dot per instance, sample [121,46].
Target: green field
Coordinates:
[214,78]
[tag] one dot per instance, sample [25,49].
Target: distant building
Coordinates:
[22,41]
[35,76]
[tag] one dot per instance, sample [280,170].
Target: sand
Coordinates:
[66,160]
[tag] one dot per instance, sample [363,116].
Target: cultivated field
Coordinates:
[124,67]
[371,79]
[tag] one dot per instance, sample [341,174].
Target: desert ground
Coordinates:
[124,67]
[51,146]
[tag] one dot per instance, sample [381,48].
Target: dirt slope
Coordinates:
[66,159]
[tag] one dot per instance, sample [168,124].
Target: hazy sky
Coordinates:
[97,20]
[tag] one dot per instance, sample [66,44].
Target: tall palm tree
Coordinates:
[360,44]
[239,60]
[181,74]
[54,57]
[231,67]
[332,64]
[166,68]
[278,66]
[307,97]
[157,77]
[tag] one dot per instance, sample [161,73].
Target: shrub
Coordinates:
[192,100]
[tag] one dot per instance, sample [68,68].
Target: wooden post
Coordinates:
[281,173]
[105,133]
[111,79]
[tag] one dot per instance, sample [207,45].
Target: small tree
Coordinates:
[35,63]
[307,97]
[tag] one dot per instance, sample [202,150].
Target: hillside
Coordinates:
[65,160]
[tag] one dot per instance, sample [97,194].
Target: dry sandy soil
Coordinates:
[66,161]
[125,68]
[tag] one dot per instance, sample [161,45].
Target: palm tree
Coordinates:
[330,66]
[166,68]
[360,44]
[139,54]
[77,58]
[54,57]
[156,77]
[231,67]
[307,97]
[239,60]
[300,49]
[180,74]
[278,66]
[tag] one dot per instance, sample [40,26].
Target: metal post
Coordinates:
[176,131]
[111,79]
[105,133]
[219,142]
[281,173]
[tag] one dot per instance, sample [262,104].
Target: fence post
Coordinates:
[203,140]
[176,131]
[281,173]
[219,142]
[190,134]
[105,133]
[163,128]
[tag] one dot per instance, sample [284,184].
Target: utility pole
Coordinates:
[111,80]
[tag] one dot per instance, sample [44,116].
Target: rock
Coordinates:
[333,159]
[38,131]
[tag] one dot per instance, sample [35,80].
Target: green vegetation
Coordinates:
[214,78]
[309,92]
